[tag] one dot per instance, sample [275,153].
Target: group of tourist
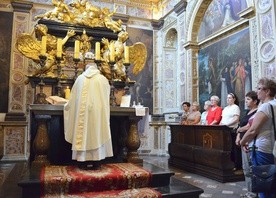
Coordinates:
[255,128]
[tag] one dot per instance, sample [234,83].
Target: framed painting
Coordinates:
[225,67]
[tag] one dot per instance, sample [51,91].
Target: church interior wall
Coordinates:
[259,17]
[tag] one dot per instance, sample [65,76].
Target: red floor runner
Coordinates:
[129,193]
[72,180]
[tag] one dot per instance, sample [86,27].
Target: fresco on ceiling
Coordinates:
[225,67]
[6,19]
[142,89]
[219,14]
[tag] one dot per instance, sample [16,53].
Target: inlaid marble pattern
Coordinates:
[14,141]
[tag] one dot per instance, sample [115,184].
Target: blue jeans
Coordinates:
[262,158]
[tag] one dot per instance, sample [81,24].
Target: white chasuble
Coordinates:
[86,117]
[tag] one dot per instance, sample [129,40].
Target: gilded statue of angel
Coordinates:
[138,56]
[116,26]
[85,42]
[61,12]
[30,47]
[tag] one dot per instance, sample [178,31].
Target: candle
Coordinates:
[126,54]
[67,92]
[77,49]
[43,45]
[98,50]
[112,57]
[59,47]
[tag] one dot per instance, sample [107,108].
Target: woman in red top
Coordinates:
[214,113]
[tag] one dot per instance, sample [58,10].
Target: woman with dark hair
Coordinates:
[186,111]
[252,102]
[230,118]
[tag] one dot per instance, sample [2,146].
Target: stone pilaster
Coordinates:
[192,71]
[265,15]
[157,66]
[18,67]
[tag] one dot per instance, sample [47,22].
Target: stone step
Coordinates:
[162,181]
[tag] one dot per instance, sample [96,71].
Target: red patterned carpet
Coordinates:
[129,193]
[71,181]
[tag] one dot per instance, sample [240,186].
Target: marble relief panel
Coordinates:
[17,93]
[169,94]
[21,25]
[263,5]
[120,8]
[266,23]
[14,140]
[267,50]
[270,69]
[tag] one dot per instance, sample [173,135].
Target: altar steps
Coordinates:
[162,181]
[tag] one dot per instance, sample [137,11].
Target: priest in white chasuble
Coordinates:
[87,117]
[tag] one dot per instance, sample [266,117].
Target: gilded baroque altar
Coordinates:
[63,35]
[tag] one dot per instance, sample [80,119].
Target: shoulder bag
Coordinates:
[263,176]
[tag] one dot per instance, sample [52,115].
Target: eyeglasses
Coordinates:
[261,88]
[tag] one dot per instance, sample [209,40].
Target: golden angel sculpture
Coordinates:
[82,12]
[30,47]
[138,56]
[85,42]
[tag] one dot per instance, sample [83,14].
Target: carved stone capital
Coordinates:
[191,45]
[21,6]
[122,17]
[180,7]
[157,24]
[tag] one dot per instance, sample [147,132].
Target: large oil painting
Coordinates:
[142,90]
[225,67]
[220,14]
[6,19]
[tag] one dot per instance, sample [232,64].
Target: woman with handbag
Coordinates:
[252,102]
[260,136]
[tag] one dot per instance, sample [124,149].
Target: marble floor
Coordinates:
[12,172]
[211,187]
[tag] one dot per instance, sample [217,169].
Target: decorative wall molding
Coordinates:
[18,6]
[180,7]
[157,24]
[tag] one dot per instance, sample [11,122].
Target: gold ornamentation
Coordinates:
[85,42]
[30,47]
[82,12]
[138,56]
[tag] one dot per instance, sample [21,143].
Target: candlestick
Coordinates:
[67,93]
[77,49]
[59,48]
[43,45]
[98,51]
[41,97]
[58,60]
[112,52]
[126,54]
[126,82]
[112,88]
[76,61]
